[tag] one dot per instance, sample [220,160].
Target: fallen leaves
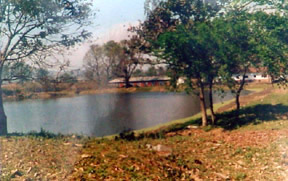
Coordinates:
[189,154]
[32,157]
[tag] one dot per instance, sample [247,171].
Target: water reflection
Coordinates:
[101,114]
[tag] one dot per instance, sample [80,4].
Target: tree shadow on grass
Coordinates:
[252,115]
[247,115]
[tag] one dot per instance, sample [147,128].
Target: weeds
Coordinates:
[240,176]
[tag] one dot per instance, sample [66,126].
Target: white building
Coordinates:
[253,77]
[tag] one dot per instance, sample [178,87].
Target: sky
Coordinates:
[111,23]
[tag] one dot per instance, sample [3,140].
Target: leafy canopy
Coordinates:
[28,28]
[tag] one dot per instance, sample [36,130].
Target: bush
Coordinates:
[7,92]
[68,78]
[11,92]
[127,135]
[33,87]
[44,134]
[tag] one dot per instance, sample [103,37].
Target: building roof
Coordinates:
[141,79]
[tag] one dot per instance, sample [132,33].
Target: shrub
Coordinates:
[33,87]
[11,92]
[127,135]
[7,92]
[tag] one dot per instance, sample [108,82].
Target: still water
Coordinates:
[101,114]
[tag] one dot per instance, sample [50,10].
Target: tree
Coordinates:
[202,43]
[17,71]
[251,40]
[238,51]
[272,46]
[180,34]
[162,71]
[30,28]
[93,63]
[152,71]
[187,51]
[56,79]
[100,61]
[67,78]
[42,76]
[130,56]
[138,73]
[113,53]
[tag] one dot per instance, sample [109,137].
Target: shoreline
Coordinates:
[74,93]
[219,107]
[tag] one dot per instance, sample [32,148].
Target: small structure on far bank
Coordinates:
[254,77]
[141,81]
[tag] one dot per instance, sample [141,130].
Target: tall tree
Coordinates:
[239,43]
[272,46]
[29,28]
[202,42]
[180,34]
[251,40]
[93,63]
[189,54]
[113,53]
[100,61]
[131,56]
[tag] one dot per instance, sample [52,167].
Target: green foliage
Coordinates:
[138,73]
[45,134]
[17,71]
[9,92]
[42,74]
[38,25]
[186,40]
[152,71]
[42,77]
[127,135]
[240,176]
[203,42]
[100,61]
[113,60]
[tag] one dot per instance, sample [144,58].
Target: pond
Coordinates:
[101,114]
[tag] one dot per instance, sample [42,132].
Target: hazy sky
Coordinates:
[111,23]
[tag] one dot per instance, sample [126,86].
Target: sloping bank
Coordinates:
[174,125]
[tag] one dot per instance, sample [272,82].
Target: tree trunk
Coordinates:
[237,98]
[237,101]
[238,92]
[213,116]
[202,105]
[3,118]
[127,82]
